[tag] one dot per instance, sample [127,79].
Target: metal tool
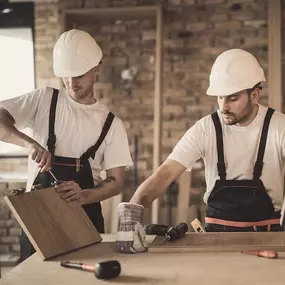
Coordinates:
[53,176]
[18,191]
[197,226]
[170,233]
[102,270]
[56,181]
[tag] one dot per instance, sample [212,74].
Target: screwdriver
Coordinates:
[56,181]
[53,176]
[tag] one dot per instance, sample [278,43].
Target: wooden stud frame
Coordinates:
[136,12]
[274,55]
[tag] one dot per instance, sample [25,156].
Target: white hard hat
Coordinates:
[234,70]
[75,53]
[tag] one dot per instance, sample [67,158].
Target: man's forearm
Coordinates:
[148,191]
[10,134]
[157,183]
[104,190]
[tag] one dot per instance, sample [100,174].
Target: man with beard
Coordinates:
[74,134]
[243,149]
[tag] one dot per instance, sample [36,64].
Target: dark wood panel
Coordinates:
[53,225]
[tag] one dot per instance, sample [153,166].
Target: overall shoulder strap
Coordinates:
[92,150]
[51,135]
[220,146]
[259,161]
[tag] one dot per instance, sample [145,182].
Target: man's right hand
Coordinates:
[40,155]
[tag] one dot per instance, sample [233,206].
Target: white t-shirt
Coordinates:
[77,127]
[240,151]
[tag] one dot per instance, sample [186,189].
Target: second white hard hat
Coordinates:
[234,70]
[75,53]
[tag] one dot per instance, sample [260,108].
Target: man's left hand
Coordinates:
[69,190]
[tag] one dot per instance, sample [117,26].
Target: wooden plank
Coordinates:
[274,55]
[62,28]
[115,219]
[222,241]
[109,211]
[157,123]
[52,225]
[183,197]
[135,12]
[201,268]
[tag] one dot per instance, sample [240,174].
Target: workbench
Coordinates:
[203,268]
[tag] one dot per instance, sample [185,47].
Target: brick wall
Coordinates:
[9,227]
[47,30]
[195,32]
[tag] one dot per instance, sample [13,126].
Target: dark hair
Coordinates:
[250,90]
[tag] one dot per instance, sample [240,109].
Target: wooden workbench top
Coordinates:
[203,268]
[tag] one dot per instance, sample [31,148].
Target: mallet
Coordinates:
[102,270]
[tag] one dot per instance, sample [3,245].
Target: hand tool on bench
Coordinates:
[102,270]
[197,226]
[266,254]
[170,233]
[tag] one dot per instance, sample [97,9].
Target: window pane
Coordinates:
[16,71]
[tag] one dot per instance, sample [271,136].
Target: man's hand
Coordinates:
[40,155]
[68,190]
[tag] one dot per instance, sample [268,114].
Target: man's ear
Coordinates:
[255,95]
[96,68]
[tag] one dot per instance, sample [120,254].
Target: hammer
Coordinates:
[102,270]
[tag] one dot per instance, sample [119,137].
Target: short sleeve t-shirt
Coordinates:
[77,127]
[240,151]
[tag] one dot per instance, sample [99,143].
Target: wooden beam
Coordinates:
[157,124]
[183,197]
[109,211]
[123,13]
[62,29]
[274,55]
[222,241]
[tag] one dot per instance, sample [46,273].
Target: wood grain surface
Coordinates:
[222,241]
[53,225]
[203,268]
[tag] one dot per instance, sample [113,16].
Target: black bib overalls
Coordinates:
[69,169]
[241,205]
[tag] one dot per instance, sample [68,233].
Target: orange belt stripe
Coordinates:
[242,224]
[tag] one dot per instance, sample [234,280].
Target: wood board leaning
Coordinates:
[221,241]
[52,225]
